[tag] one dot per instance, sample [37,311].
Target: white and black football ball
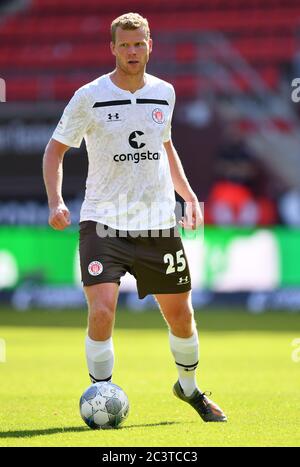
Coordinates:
[104,405]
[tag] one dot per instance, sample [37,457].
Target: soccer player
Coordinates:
[127,220]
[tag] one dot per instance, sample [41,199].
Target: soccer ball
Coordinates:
[104,405]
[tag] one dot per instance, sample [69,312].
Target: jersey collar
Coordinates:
[112,86]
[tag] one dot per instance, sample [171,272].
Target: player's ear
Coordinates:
[150,45]
[112,48]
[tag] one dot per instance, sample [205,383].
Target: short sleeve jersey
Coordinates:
[129,184]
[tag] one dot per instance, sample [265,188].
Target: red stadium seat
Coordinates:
[67,36]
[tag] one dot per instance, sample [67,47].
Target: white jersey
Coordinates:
[129,184]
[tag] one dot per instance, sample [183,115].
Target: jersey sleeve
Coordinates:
[167,131]
[74,121]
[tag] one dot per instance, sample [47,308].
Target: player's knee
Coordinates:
[101,315]
[184,314]
[182,322]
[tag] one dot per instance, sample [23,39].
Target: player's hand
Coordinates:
[193,216]
[59,217]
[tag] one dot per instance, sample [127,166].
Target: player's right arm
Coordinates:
[59,215]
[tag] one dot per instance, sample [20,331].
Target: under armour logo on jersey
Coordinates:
[132,140]
[183,280]
[113,117]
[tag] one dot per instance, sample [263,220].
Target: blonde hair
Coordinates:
[129,21]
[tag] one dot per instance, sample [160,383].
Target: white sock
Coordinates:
[100,359]
[186,354]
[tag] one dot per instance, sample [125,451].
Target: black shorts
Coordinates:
[155,258]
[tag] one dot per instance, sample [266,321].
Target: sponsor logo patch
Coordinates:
[133,140]
[95,268]
[136,143]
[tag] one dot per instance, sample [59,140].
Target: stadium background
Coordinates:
[236,128]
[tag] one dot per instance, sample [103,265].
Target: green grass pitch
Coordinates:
[245,360]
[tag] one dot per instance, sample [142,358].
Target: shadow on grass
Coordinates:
[142,425]
[46,431]
[71,429]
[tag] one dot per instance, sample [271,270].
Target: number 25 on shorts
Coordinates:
[175,264]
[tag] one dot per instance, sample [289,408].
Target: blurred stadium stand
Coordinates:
[226,58]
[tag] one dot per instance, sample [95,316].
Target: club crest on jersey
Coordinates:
[95,268]
[158,116]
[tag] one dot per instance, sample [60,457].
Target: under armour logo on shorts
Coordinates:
[183,280]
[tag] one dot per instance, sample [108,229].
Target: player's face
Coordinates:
[131,49]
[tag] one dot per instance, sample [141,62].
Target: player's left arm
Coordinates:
[194,216]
